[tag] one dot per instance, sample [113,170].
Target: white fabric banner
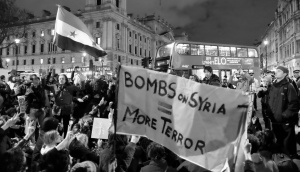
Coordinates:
[198,122]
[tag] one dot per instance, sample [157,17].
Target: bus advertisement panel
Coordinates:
[191,57]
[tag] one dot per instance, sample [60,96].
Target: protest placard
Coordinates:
[21,101]
[198,122]
[100,128]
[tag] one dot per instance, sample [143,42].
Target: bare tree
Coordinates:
[12,23]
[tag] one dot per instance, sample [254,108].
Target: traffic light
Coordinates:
[150,60]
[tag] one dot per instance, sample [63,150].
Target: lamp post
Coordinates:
[17,41]
[7,61]
[84,54]
[266,42]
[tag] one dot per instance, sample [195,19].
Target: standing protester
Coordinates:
[297,77]
[263,93]
[210,78]
[244,81]
[283,109]
[64,97]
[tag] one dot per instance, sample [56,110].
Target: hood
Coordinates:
[281,83]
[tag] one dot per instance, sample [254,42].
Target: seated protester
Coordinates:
[86,166]
[210,78]
[57,159]
[14,160]
[51,139]
[254,125]
[157,163]
[124,152]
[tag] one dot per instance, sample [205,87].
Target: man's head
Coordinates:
[63,79]
[34,79]
[296,73]
[281,72]
[208,71]
[2,78]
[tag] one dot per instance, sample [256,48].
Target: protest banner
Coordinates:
[100,128]
[198,122]
[21,101]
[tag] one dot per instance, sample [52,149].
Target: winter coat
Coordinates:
[5,142]
[264,95]
[35,97]
[156,166]
[64,97]
[283,108]
[213,80]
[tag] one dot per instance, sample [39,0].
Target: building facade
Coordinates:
[125,39]
[281,42]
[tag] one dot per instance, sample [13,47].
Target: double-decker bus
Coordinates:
[185,57]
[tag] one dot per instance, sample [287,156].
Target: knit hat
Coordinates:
[49,123]
[208,68]
[88,165]
[284,69]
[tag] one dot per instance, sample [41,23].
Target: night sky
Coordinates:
[216,21]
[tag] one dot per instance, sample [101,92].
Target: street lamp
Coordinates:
[17,41]
[7,61]
[266,42]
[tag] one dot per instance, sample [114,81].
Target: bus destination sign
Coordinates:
[227,61]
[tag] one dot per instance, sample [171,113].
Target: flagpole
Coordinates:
[118,68]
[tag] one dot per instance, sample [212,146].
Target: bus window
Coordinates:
[242,52]
[224,51]
[233,51]
[252,52]
[183,49]
[211,50]
[165,51]
[197,50]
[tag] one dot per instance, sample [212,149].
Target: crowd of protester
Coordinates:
[50,129]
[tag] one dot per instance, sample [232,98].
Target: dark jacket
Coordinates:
[5,142]
[213,80]
[249,166]
[64,97]
[35,97]
[264,96]
[283,108]
[156,166]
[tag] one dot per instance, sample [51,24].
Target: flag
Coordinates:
[72,34]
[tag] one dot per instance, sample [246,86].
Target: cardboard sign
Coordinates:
[100,128]
[21,101]
[198,122]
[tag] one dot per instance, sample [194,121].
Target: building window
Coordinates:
[25,35]
[17,62]
[52,32]
[33,34]
[118,26]
[53,60]
[145,53]
[141,51]
[135,50]
[140,38]
[24,62]
[137,62]
[62,60]
[117,3]
[32,61]
[49,31]
[33,49]
[118,44]
[98,40]
[97,24]
[149,54]
[13,62]
[131,61]
[42,61]
[145,40]
[98,2]
[119,58]
[1,51]
[135,36]
[130,48]
[52,48]
[7,51]
[42,48]
[293,52]
[130,34]
[48,60]
[25,49]
[298,46]
[62,70]
[72,59]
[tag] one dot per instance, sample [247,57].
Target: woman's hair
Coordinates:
[13,160]
[77,125]
[57,161]
[66,78]
[155,151]
[51,137]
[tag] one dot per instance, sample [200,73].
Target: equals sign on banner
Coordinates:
[165,108]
